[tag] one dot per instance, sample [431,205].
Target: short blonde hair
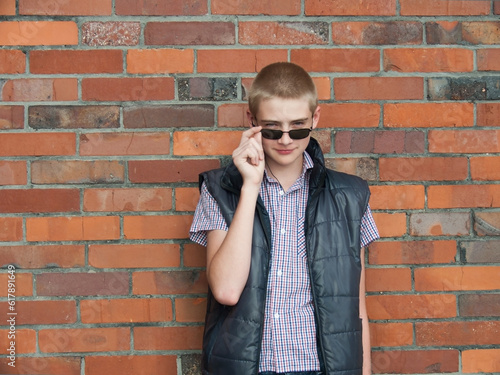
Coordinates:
[282,80]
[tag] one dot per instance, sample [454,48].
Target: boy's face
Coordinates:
[285,114]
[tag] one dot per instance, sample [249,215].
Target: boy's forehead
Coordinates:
[285,109]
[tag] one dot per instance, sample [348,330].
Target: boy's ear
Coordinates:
[316,116]
[250,118]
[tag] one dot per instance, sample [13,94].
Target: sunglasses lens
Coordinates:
[277,134]
[271,134]
[299,133]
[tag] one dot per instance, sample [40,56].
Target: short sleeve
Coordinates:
[369,231]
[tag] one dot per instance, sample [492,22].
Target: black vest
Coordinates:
[336,204]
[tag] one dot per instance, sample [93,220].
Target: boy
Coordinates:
[285,244]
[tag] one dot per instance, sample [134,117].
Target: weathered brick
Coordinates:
[390,224]
[350,115]
[428,115]
[481,251]
[481,360]
[337,60]
[24,284]
[457,278]
[189,33]
[412,252]
[350,8]
[282,33]
[414,361]
[378,88]
[440,224]
[397,197]
[65,8]
[74,117]
[488,59]
[132,364]
[238,60]
[256,7]
[487,223]
[186,198]
[446,32]
[40,89]
[8,8]
[165,61]
[127,199]
[391,334]
[13,173]
[191,364]
[47,365]
[383,142]
[444,8]
[423,169]
[377,33]
[168,338]
[479,304]
[134,256]
[175,116]
[11,117]
[72,62]
[127,89]
[25,342]
[109,144]
[428,60]
[136,310]
[457,333]
[37,144]
[161,171]
[477,88]
[169,282]
[484,168]
[12,62]
[488,114]
[190,309]
[204,88]
[11,228]
[388,279]
[39,200]
[84,340]
[82,284]
[161,8]
[365,168]
[157,227]
[463,196]
[464,141]
[42,312]
[204,143]
[194,255]
[111,33]
[76,172]
[48,256]
[33,33]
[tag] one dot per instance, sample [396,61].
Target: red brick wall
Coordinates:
[109,109]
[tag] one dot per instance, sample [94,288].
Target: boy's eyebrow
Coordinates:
[279,122]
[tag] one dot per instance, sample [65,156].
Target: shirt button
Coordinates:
[281,192]
[283,231]
[276,316]
[279,273]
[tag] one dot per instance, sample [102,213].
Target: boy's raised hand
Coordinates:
[249,156]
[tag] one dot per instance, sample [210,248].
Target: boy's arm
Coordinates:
[364,319]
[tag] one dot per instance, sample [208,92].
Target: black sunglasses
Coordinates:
[277,134]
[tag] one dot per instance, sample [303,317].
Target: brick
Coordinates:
[111,33]
[46,365]
[136,364]
[440,224]
[194,255]
[126,310]
[446,32]
[377,33]
[13,173]
[154,61]
[207,89]
[487,223]
[428,60]
[488,114]
[48,256]
[25,341]
[82,284]
[365,168]
[72,228]
[388,279]
[444,8]
[37,144]
[40,200]
[74,117]
[390,224]
[337,60]
[76,172]
[463,196]
[476,88]
[84,340]
[34,33]
[110,144]
[412,252]
[422,306]
[189,33]
[24,285]
[11,117]
[428,115]
[65,8]
[8,8]
[464,141]
[12,62]
[40,89]
[350,8]
[238,60]
[202,143]
[175,116]
[127,199]
[186,198]
[11,228]
[496,7]
[391,334]
[457,333]
[282,33]
[414,361]
[190,309]
[378,88]
[484,168]
[423,169]
[134,255]
[156,227]
[479,304]
[72,62]
[127,89]
[42,312]
[350,115]
[481,360]
[457,278]
[168,338]
[161,8]
[191,362]
[488,60]
[256,7]
[481,251]
[161,171]
[169,282]
[397,197]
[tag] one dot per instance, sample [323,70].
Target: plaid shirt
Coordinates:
[289,338]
